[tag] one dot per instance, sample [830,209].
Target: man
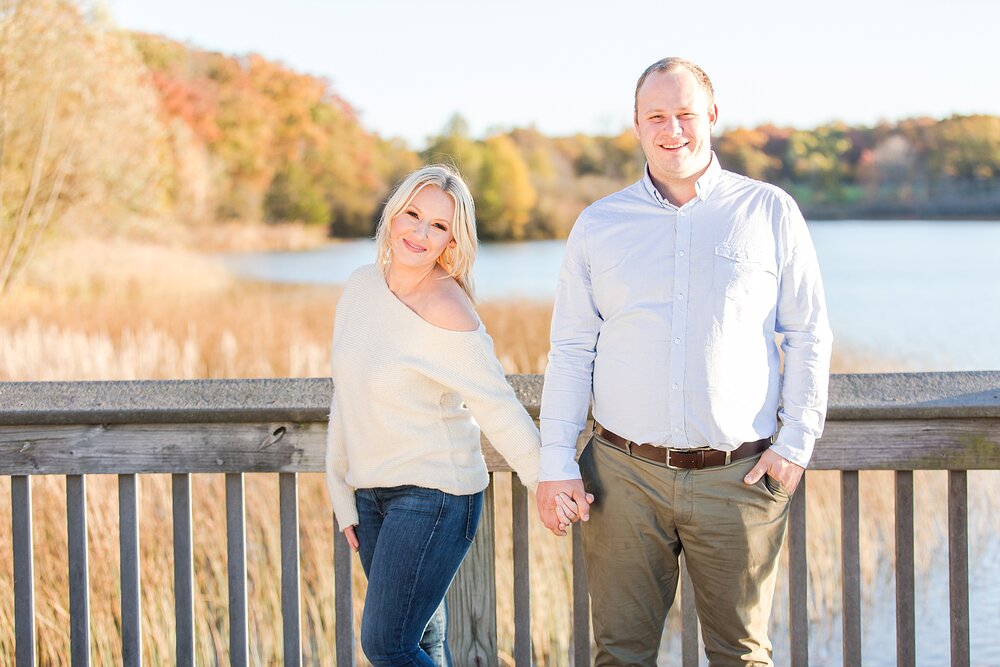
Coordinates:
[669,300]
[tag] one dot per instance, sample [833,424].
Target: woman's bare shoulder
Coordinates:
[450,308]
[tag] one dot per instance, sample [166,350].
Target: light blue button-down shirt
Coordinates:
[667,318]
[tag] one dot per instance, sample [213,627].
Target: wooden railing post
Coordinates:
[472,598]
[79,573]
[344,605]
[798,578]
[128,547]
[24,584]
[850,554]
[522,570]
[906,654]
[958,566]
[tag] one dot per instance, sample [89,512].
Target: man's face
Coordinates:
[673,120]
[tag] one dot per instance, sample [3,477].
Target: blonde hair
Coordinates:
[456,261]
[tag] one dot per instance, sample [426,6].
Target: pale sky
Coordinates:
[569,67]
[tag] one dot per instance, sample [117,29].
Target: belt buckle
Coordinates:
[697,451]
[679,451]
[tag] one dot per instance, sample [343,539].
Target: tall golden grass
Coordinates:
[103,317]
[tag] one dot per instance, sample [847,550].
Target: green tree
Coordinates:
[294,195]
[818,159]
[455,147]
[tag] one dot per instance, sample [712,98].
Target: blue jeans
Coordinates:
[412,540]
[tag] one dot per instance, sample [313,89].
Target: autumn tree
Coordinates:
[79,135]
[275,144]
[744,151]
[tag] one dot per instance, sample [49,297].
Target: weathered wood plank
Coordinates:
[183,569]
[343,604]
[236,541]
[909,444]
[958,566]
[472,598]
[79,573]
[128,546]
[522,563]
[798,578]
[290,611]
[906,652]
[24,578]
[162,448]
[581,600]
[689,618]
[850,553]
[970,444]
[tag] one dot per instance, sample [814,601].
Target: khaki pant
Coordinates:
[644,515]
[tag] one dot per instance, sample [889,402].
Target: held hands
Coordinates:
[352,539]
[778,467]
[561,503]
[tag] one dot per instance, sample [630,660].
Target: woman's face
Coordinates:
[422,230]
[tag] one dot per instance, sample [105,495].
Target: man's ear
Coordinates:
[713,115]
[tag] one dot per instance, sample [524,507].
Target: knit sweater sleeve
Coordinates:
[341,493]
[471,369]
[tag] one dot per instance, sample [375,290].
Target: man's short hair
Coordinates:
[673,64]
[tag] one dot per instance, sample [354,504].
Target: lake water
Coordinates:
[920,295]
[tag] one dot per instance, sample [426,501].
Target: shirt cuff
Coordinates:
[558,463]
[794,445]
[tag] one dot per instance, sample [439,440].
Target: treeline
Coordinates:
[919,167]
[98,125]
[279,145]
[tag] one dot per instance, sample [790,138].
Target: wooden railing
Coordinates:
[897,422]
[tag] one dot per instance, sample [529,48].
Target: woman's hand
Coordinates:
[352,539]
[567,511]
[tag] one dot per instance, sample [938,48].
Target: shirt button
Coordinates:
[681,253]
[680,297]
[680,212]
[677,430]
[676,385]
[677,341]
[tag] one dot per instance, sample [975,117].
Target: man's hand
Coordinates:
[572,489]
[778,467]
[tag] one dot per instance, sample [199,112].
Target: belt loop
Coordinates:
[729,458]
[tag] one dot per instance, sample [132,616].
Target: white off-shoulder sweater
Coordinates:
[405,394]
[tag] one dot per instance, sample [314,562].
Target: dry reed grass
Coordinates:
[101,316]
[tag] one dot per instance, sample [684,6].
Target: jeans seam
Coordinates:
[468,519]
[420,563]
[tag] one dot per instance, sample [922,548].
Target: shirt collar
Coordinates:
[703,187]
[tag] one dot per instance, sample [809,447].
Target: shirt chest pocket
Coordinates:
[743,274]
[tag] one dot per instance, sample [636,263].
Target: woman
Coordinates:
[413,365]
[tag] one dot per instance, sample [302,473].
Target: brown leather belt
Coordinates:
[682,459]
